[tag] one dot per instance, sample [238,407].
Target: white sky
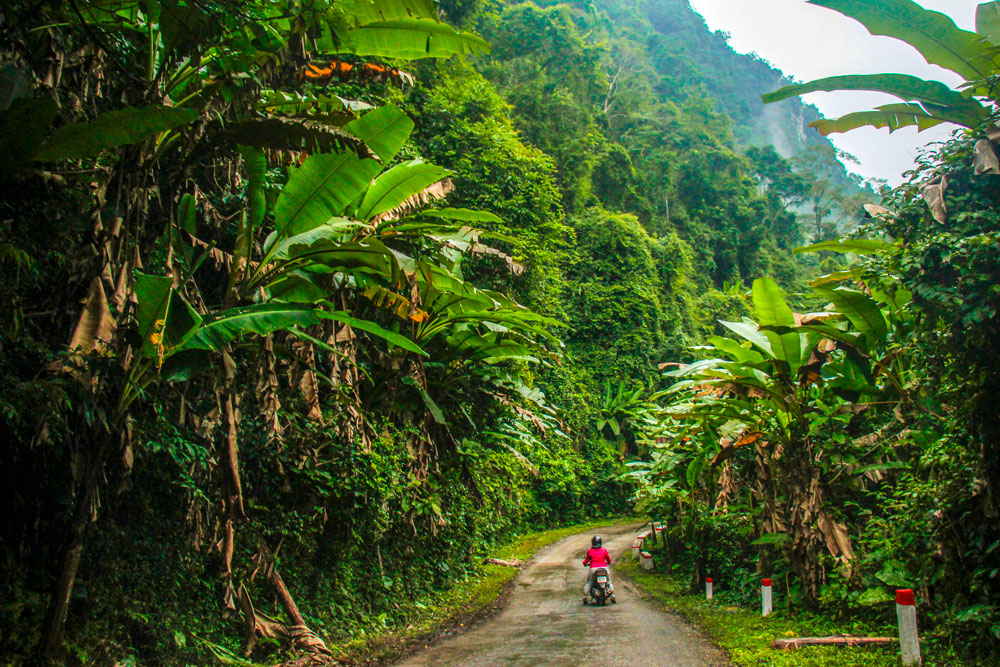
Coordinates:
[808,42]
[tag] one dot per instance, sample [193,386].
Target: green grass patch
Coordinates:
[453,608]
[746,636]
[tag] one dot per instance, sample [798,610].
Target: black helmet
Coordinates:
[595,541]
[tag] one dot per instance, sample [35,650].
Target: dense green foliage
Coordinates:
[850,451]
[307,304]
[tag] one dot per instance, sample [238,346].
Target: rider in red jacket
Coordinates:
[597,557]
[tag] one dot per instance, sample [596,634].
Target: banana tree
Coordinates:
[924,104]
[626,415]
[200,70]
[786,386]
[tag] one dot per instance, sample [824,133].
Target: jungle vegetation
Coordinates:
[847,446]
[306,304]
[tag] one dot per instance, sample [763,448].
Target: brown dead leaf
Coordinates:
[876,211]
[729,447]
[985,160]
[811,318]
[933,194]
[395,303]
[308,386]
[837,541]
[728,488]
[414,203]
[826,346]
[94,328]
[345,335]
[515,267]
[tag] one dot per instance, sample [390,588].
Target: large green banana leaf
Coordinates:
[471,345]
[221,328]
[298,287]
[773,310]
[224,327]
[822,330]
[988,21]
[856,246]
[862,310]
[384,130]
[335,229]
[369,11]
[397,185]
[374,329]
[410,39]
[462,214]
[370,257]
[166,321]
[735,350]
[949,104]
[749,330]
[892,116]
[112,128]
[330,109]
[321,189]
[933,34]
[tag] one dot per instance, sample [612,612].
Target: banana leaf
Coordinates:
[384,130]
[933,34]
[110,129]
[321,189]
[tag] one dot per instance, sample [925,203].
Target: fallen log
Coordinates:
[835,640]
[505,563]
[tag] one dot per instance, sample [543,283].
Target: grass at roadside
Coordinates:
[462,604]
[746,636]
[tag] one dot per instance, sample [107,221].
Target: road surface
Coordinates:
[546,623]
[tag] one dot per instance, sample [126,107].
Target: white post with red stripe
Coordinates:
[906,614]
[646,560]
[765,597]
[636,548]
[708,588]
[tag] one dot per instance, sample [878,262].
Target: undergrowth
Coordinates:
[746,636]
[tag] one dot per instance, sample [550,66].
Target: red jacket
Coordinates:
[597,558]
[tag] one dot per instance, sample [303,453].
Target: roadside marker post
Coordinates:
[708,588]
[906,614]
[765,597]
[647,560]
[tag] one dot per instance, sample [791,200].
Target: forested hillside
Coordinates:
[308,304]
[851,450]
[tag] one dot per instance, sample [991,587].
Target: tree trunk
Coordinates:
[989,435]
[838,640]
[805,499]
[285,598]
[55,619]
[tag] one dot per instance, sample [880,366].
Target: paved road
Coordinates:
[545,622]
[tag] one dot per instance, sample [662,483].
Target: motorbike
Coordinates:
[601,591]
